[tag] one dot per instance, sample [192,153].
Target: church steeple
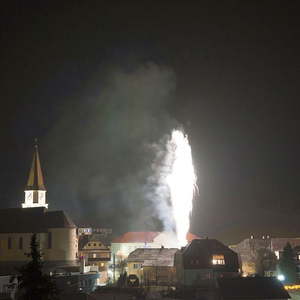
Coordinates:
[35,192]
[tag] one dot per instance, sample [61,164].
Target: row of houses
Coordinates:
[80,258]
[198,264]
[117,252]
[270,248]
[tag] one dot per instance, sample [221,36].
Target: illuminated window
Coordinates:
[94,255]
[218,259]
[102,264]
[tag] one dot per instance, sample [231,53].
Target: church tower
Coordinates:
[35,192]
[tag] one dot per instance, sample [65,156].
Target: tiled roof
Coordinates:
[145,237]
[136,237]
[32,220]
[153,256]
[209,245]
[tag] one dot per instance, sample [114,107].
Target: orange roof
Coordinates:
[190,236]
[136,237]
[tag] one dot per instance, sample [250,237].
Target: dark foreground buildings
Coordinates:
[203,261]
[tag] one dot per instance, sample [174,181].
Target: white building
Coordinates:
[56,232]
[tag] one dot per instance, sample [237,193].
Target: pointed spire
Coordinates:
[35,178]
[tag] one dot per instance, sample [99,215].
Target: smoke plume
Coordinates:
[104,149]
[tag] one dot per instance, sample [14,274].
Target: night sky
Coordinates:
[97,84]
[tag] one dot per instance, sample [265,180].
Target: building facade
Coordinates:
[250,249]
[56,235]
[96,253]
[55,231]
[202,261]
[153,266]
[123,245]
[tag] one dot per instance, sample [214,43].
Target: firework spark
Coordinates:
[182,182]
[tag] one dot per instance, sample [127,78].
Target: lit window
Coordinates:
[102,264]
[218,259]
[94,255]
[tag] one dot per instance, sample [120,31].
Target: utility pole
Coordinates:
[114,266]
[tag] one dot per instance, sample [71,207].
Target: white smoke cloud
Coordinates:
[104,158]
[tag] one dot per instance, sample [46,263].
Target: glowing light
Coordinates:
[281,277]
[292,287]
[182,182]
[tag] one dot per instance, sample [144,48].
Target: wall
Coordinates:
[131,270]
[122,250]
[152,275]
[160,276]
[16,254]
[101,260]
[64,245]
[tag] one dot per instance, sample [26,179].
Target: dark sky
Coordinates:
[94,82]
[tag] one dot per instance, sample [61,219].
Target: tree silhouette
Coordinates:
[266,260]
[33,284]
[287,264]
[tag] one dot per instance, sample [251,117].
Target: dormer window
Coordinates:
[218,259]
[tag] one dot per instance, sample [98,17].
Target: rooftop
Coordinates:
[136,237]
[32,220]
[161,257]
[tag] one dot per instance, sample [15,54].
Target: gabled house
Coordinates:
[123,245]
[153,266]
[202,261]
[250,249]
[95,253]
